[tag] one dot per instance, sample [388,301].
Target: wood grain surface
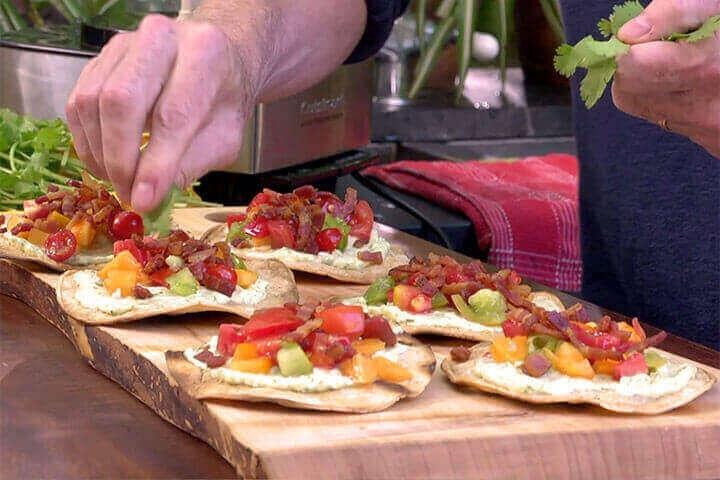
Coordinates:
[446,432]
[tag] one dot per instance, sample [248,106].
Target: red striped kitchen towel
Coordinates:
[525,211]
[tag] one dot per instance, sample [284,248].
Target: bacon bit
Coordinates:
[638,329]
[460,354]
[141,292]
[2,219]
[210,359]
[74,183]
[3,229]
[155,263]
[53,188]
[201,256]
[102,214]
[42,199]
[536,364]
[300,333]
[21,227]
[370,257]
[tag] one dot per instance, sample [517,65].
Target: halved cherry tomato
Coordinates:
[632,365]
[271,322]
[346,320]
[223,272]
[603,341]
[328,201]
[361,223]
[504,349]
[220,277]
[282,234]
[126,224]
[60,245]
[132,247]
[605,366]
[258,228]
[269,346]
[235,217]
[229,336]
[328,239]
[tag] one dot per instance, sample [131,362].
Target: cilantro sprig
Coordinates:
[597,57]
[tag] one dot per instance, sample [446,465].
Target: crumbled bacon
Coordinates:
[375,258]
[460,354]
[141,292]
[210,359]
[536,364]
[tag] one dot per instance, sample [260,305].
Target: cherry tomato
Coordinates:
[328,239]
[221,278]
[361,223]
[421,303]
[346,320]
[127,224]
[229,336]
[271,322]
[328,201]
[235,217]
[258,228]
[282,234]
[61,245]
[403,296]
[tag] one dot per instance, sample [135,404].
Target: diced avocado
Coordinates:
[469,313]
[654,361]
[175,263]
[292,360]
[376,294]
[439,300]
[183,282]
[236,231]
[490,304]
[237,261]
[539,342]
[334,222]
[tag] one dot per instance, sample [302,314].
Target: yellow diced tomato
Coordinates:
[569,366]
[606,366]
[245,278]
[123,280]
[260,241]
[368,346]
[37,237]
[391,371]
[24,234]
[360,368]
[84,232]
[13,221]
[124,260]
[626,327]
[245,351]
[567,351]
[254,365]
[58,218]
[504,349]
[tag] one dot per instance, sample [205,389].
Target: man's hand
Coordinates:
[193,83]
[184,80]
[673,84]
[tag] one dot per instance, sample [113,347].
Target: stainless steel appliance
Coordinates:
[38,71]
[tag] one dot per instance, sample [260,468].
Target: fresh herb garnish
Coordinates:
[598,56]
[158,220]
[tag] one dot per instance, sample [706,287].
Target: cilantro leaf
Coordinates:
[236,231]
[334,222]
[595,81]
[620,15]
[706,30]
[158,220]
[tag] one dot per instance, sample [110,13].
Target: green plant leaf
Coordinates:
[157,221]
[420,20]
[620,15]
[595,81]
[706,30]
[466,12]
[427,61]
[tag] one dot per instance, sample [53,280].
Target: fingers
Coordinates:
[201,68]
[663,17]
[128,95]
[657,67]
[83,105]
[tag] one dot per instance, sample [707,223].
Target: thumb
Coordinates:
[664,17]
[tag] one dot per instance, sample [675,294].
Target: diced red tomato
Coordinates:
[453,275]
[513,328]
[346,320]
[271,322]
[632,365]
[411,299]
[603,341]
[329,202]
[282,234]
[362,221]
[222,272]
[328,239]
[327,350]
[235,217]
[132,247]
[259,199]
[378,327]
[269,346]
[158,277]
[258,228]
[229,336]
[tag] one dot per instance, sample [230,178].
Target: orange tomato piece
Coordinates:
[606,366]
[626,327]
[391,371]
[504,349]
[245,278]
[37,237]
[360,368]
[570,366]
[245,351]
[123,280]
[124,260]
[254,365]
[260,241]
[368,346]
[567,351]
[13,221]
[84,232]
[58,218]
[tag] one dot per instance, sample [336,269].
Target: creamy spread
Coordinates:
[320,380]
[92,294]
[670,378]
[346,259]
[79,259]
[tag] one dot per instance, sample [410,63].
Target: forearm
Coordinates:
[285,46]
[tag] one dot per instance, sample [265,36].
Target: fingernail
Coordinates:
[142,195]
[635,28]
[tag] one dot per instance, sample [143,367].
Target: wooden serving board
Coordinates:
[446,432]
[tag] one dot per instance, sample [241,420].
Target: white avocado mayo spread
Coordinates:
[320,380]
[669,378]
[79,259]
[92,294]
[346,259]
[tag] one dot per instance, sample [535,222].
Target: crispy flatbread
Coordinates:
[10,249]
[462,374]
[366,275]
[419,359]
[281,290]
